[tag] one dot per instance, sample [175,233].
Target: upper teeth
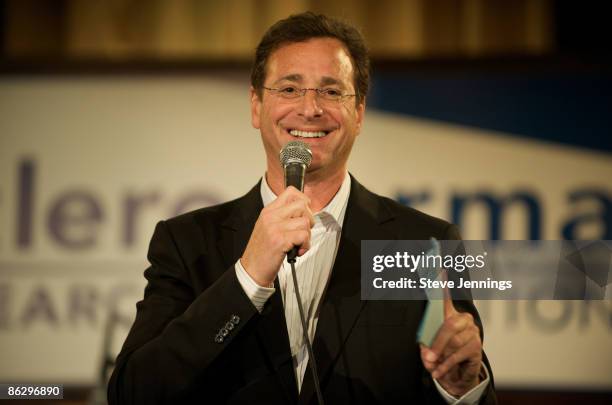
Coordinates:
[307,134]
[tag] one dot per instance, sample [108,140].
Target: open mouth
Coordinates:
[308,134]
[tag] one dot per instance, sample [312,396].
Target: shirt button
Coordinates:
[235,319]
[218,339]
[229,326]
[224,332]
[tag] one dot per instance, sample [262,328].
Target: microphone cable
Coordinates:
[311,359]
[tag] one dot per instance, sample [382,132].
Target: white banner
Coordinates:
[88,165]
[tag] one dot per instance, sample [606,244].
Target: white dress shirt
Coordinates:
[313,270]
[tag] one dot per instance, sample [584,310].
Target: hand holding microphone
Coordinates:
[284,224]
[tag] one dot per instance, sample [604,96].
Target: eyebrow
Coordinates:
[292,78]
[325,80]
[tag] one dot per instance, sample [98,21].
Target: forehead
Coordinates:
[311,60]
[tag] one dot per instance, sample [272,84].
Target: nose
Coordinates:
[310,106]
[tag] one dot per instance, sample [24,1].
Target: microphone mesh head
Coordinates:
[295,152]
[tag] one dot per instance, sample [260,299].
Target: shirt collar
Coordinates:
[336,207]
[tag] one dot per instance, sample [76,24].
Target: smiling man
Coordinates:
[219,320]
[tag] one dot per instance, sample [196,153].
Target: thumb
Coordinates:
[449,308]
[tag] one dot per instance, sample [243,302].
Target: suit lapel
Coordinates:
[342,302]
[238,225]
[271,326]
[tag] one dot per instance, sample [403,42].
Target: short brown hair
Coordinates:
[304,26]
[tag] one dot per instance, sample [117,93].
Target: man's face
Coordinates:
[328,127]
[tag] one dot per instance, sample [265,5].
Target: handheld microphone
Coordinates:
[295,157]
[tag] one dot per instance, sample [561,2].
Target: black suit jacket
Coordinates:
[366,351]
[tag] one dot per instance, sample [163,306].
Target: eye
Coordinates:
[331,92]
[287,90]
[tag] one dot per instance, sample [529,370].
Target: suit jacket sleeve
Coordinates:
[173,340]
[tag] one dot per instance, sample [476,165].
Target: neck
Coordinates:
[321,189]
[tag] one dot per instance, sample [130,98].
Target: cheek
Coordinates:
[276,114]
[349,118]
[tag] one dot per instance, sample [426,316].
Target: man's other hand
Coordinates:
[455,356]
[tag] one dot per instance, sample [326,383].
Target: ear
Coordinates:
[255,108]
[360,111]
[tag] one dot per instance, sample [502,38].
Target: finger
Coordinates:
[459,340]
[470,336]
[449,308]
[295,209]
[451,327]
[429,364]
[299,238]
[296,224]
[469,356]
[288,195]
